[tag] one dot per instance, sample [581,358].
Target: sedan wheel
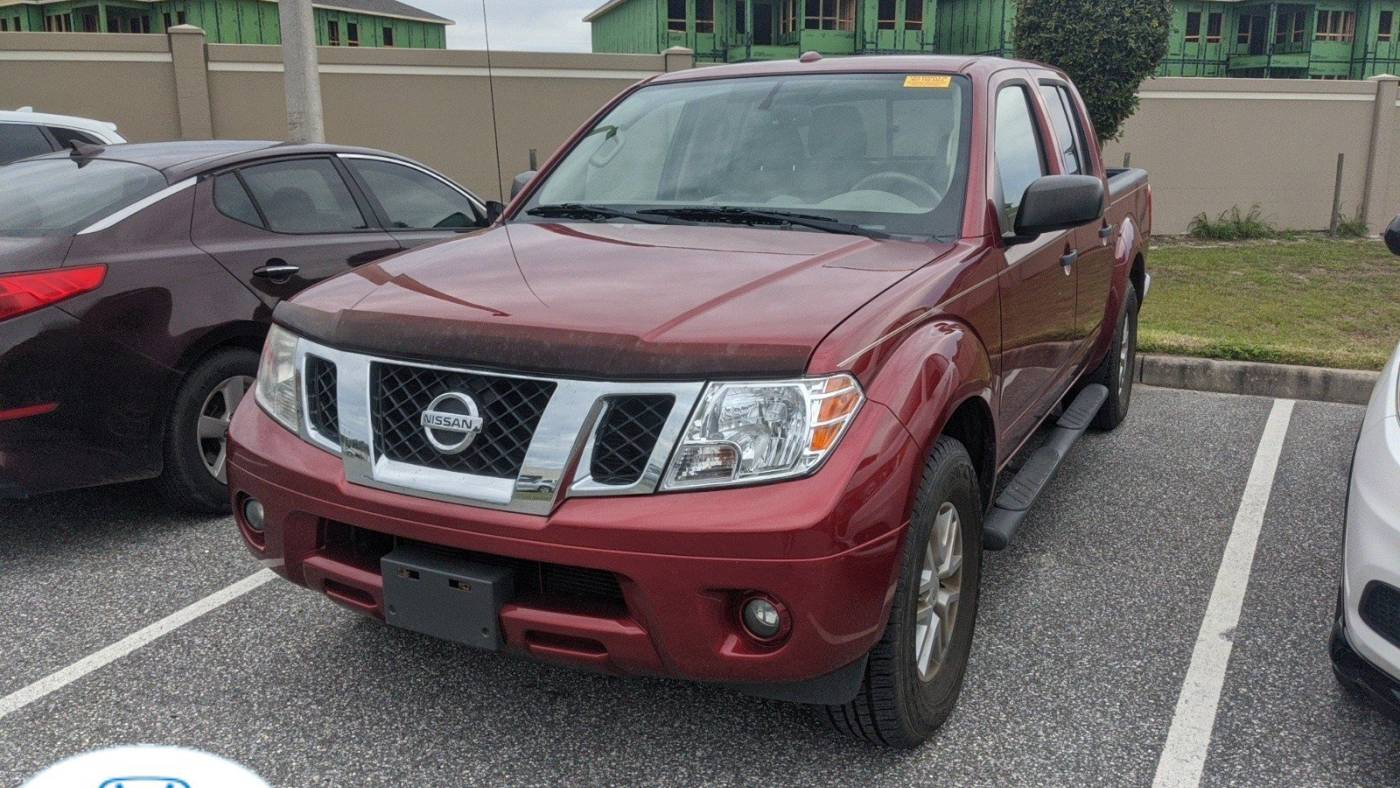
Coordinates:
[214,417]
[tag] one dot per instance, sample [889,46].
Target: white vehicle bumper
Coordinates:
[1372,545]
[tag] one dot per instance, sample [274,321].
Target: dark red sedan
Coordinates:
[136,285]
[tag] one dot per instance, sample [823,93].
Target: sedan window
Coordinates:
[60,196]
[232,200]
[303,196]
[414,200]
[21,140]
[66,137]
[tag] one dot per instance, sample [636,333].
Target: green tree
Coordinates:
[1108,47]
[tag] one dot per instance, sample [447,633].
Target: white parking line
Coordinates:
[1188,740]
[61,678]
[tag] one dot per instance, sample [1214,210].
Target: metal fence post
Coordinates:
[1337,196]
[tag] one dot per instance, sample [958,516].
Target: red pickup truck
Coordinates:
[726,391]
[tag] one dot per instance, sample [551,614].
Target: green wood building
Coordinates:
[1321,39]
[354,23]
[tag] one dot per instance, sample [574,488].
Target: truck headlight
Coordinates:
[749,432]
[278,390]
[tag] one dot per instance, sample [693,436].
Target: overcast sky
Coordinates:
[534,25]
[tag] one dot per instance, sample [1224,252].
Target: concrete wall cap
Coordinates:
[185,30]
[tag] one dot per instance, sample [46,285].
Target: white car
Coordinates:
[1366,636]
[25,133]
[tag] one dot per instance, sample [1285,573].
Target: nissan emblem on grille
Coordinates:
[451,422]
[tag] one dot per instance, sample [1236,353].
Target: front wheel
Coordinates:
[914,674]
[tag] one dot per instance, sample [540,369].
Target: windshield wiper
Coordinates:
[591,213]
[728,213]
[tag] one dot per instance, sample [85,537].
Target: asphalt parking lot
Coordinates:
[1085,636]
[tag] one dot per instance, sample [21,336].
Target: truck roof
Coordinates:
[957,64]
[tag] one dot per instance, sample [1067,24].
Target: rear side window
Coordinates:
[414,200]
[1018,157]
[303,196]
[232,200]
[66,137]
[1066,141]
[21,140]
[55,196]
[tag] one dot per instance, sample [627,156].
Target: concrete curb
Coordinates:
[1265,380]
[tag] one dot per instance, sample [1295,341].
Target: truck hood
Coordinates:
[611,301]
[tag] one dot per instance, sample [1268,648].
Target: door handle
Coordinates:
[276,270]
[1069,259]
[1106,231]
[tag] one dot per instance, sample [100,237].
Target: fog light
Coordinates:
[764,618]
[253,514]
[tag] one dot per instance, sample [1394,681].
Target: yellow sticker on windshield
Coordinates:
[927,81]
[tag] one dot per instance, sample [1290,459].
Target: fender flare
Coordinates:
[939,369]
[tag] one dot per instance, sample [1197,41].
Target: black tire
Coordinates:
[895,707]
[1114,372]
[186,482]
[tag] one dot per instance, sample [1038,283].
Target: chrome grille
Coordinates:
[627,437]
[539,435]
[321,406]
[510,407]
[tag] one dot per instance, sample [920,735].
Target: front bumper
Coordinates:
[1371,555]
[825,546]
[1381,688]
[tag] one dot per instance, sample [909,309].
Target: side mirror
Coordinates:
[1392,236]
[1059,202]
[521,181]
[493,211]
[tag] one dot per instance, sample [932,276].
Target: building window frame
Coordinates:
[704,16]
[388,33]
[913,14]
[1215,27]
[674,23]
[332,33]
[886,14]
[352,34]
[1193,27]
[1335,25]
[833,15]
[1385,26]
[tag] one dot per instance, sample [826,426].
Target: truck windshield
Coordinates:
[60,196]
[884,153]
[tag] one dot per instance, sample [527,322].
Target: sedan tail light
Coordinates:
[26,292]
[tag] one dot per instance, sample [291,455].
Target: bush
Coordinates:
[1355,227]
[1232,225]
[1108,47]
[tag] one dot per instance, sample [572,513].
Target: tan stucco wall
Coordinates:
[1213,144]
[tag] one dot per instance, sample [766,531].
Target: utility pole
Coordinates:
[305,122]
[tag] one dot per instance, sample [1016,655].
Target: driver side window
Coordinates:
[1019,160]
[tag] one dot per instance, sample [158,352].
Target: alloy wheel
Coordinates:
[940,585]
[214,416]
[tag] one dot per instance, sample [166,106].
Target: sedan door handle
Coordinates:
[1106,231]
[1069,259]
[277,270]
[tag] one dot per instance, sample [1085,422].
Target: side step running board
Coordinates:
[1015,501]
